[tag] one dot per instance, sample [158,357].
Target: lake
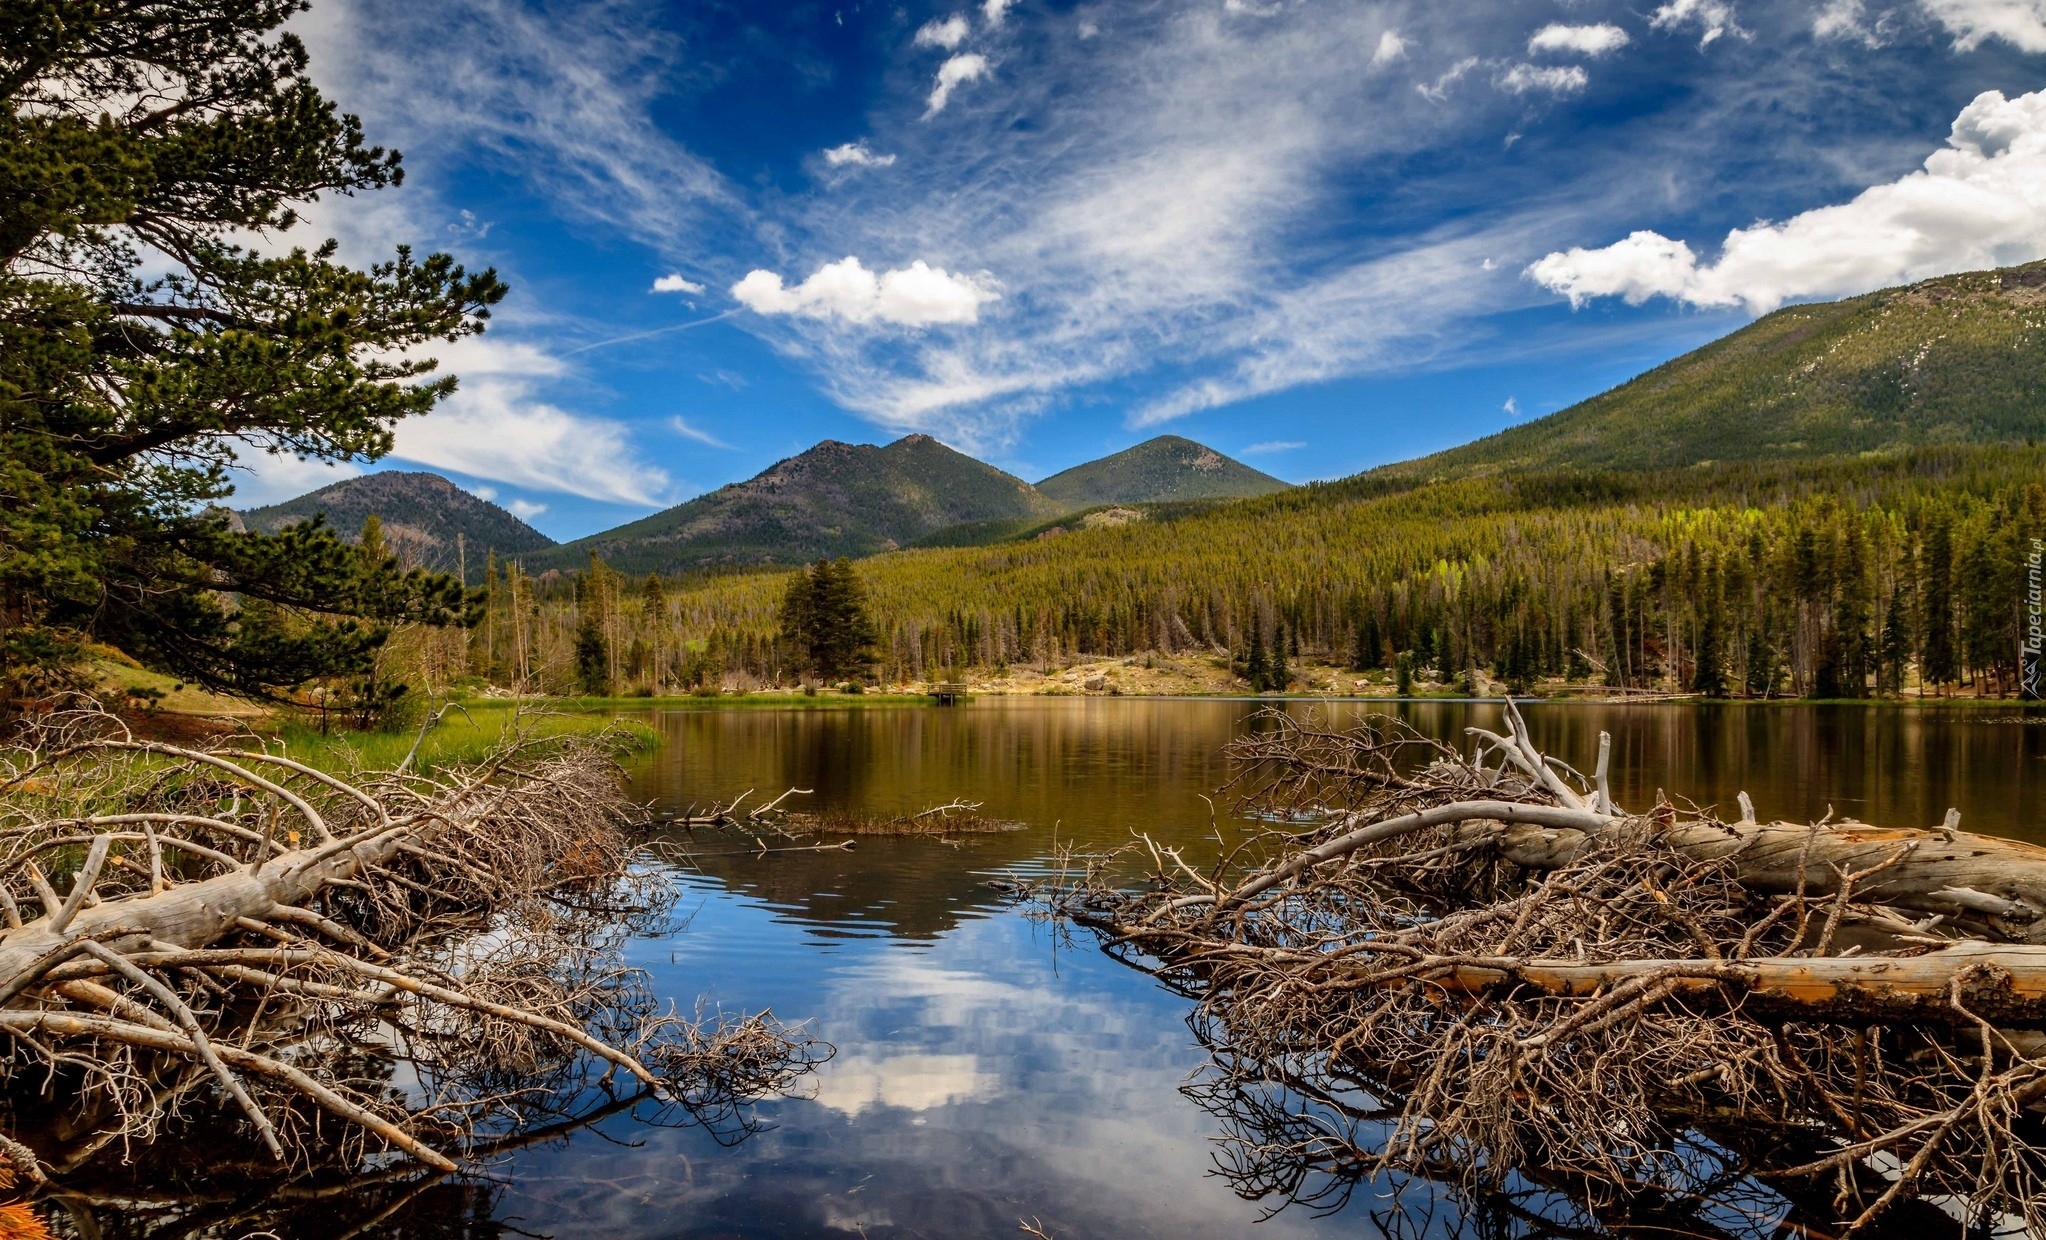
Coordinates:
[991,1070]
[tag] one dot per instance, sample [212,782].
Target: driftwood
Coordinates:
[1519,976]
[184,925]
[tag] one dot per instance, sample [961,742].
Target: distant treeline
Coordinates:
[1836,578]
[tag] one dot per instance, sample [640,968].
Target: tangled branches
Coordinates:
[1497,974]
[403,962]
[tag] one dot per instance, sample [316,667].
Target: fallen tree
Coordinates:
[1520,977]
[195,928]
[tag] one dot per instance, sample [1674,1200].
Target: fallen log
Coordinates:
[239,915]
[1529,976]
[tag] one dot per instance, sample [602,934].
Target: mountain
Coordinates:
[1165,468]
[428,520]
[1954,360]
[835,499]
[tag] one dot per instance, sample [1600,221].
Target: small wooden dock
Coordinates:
[948,692]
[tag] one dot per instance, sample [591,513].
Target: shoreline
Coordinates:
[833,700]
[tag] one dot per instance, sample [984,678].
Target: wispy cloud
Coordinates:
[497,429]
[856,155]
[2020,23]
[1271,447]
[675,282]
[525,509]
[954,73]
[945,32]
[565,96]
[1556,79]
[699,435]
[1711,19]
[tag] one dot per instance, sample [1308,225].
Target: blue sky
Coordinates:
[1317,234]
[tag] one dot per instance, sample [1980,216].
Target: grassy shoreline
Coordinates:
[849,701]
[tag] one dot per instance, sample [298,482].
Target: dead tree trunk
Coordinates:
[172,911]
[1532,976]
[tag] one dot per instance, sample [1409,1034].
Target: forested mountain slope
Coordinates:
[428,520]
[1808,577]
[1168,467]
[1959,359]
[837,499]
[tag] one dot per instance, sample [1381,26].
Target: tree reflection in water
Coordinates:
[205,1181]
[1305,1136]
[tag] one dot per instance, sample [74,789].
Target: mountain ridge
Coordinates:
[834,499]
[1956,359]
[1159,470]
[428,521]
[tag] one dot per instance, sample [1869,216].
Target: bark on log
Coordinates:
[2003,985]
[1995,887]
[200,913]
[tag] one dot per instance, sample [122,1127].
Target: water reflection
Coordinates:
[989,1071]
[1094,770]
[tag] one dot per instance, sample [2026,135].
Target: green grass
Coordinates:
[465,734]
[826,700]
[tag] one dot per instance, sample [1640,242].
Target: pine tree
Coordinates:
[824,617]
[592,657]
[1895,653]
[1368,652]
[653,614]
[147,341]
[1277,677]
[1938,660]
[1255,667]
[1708,674]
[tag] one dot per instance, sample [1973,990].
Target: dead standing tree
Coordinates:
[1524,975]
[234,928]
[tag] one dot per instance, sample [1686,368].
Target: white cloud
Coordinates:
[1252,8]
[918,295]
[1580,40]
[955,72]
[1437,91]
[262,478]
[674,282]
[996,11]
[2020,23]
[1519,79]
[1511,407]
[1713,19]
[1980,202]
[525,509]
[486,494]
[1390,48]
[701,436]
[946,33]
[856,155]
[495,429]
[1271,446]
[1844,19]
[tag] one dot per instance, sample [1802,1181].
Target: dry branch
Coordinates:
[1517,975]
[236,925]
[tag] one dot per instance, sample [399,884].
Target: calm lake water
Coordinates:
[989,1071]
